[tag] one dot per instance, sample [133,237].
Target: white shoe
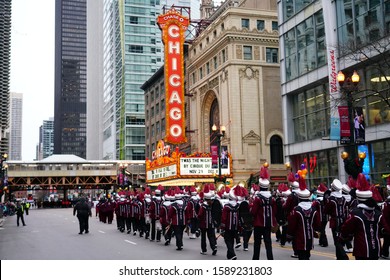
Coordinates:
[350,250]
[238,245]
[193,236]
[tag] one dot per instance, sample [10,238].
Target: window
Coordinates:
[223,56]
[276,145]
[208,68]
[272,55]
[200,73]
[275,26]
[260,25]
[245,23]
[136,49]
[134,20]
[215,61]
[247,52]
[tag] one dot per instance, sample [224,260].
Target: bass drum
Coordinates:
[246,217]
[216,212]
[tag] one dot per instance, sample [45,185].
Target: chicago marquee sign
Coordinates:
[173,26]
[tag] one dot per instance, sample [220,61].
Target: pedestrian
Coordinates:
[19,213]
[302,222]
[264,216]
[26,207]
[83,213]
[364,224]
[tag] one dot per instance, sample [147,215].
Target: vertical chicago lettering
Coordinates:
[173,26]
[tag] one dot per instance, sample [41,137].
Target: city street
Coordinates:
[52,234]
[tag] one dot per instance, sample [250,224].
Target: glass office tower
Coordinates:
[70,77]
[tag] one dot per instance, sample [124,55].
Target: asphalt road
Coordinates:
[52,234]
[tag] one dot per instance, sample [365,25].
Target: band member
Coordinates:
[193,208]
[178,218]
[246,219]
[364,224]
[291,202]
[302,222]
[263,211]
[120,213]
[164,220]
[230,222]
[206,222]
[145,212]
[386,218]
[282,193]
[154,211]
[319,203]
[345,190]
[335,207]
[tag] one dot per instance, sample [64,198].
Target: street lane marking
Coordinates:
[101,231]
[128,241]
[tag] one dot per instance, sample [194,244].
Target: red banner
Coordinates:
[173,26]
[214,156]
[345,129]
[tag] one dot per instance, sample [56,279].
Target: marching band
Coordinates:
[354,212]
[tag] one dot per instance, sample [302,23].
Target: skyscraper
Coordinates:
[70,111]
[133,52]
[46,139]
[5,47]
[15,139]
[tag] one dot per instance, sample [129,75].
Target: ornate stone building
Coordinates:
[233,79]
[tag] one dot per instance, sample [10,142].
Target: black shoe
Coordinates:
[24,225]
[197,233]
[384,257]
[179,248]
[86,231]
[80,233]
[238,245]
[294,256]
[214,252]
[167,242]
[233,258]
[203,253]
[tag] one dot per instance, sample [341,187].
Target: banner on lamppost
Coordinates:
[214,156]
[359,126]
[345,128]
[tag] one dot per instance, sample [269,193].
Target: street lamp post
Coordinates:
[348,86]
[220,134]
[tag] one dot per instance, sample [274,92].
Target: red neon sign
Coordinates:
[173,26]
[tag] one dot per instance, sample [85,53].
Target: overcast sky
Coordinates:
[32,66]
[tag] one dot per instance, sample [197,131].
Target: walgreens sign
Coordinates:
[173,26]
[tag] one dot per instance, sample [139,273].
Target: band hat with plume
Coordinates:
[388,183]
[264,177]
[159,189]
[292,181]
[303,192]
[283,190]
[363,191]
[321,189]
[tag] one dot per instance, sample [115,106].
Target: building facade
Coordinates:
[318,38]
[94,80]
[70,109]
[133,52]
[5,56]
[46,139]
[233,81]
[16,117]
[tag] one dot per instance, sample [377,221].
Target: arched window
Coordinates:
[276,144]
[214,119]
